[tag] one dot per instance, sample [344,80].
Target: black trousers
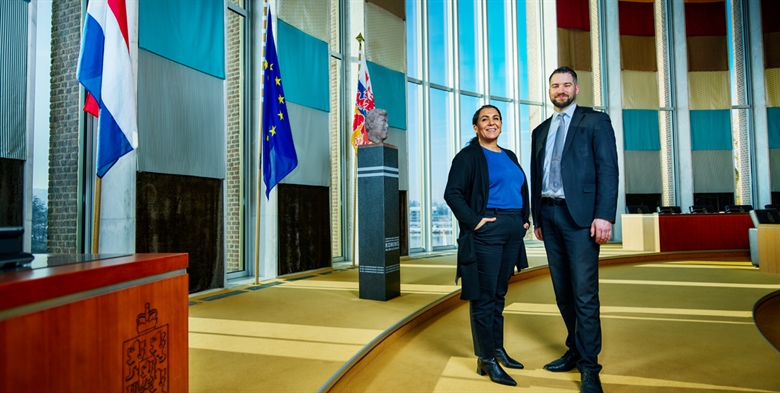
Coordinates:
[573,258]
[497,245]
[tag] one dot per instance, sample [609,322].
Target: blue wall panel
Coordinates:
[191,33]
[640,129]
[303,60]
[773,122]
[711,129]
[389,93]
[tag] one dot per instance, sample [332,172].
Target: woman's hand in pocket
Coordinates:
[483,221]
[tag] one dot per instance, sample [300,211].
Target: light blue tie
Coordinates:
[555,160]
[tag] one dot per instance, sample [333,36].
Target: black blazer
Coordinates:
[468,186]
[589,167]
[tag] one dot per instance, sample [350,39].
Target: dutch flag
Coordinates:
[106,71]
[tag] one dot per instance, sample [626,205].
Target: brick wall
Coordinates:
[64,123]
[235,134]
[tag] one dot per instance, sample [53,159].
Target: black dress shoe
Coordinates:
[566,363]
[506,361]
[494,371]
[590,382]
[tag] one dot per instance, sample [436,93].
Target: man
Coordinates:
[574,174]
[376,124]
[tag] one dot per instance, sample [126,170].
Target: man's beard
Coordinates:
[565,103]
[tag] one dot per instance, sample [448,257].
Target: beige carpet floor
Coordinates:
[671,326]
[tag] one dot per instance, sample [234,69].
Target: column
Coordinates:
[379,222]
[740,108]
[665,100]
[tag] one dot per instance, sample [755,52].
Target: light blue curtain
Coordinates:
[191,33]
[711,130]
[303,60]
[773,121]
[640,129]
[389,93]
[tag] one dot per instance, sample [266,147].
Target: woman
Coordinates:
[488,193]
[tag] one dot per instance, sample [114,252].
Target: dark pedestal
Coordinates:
[378,222]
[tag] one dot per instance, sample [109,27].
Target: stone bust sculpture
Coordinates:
[376,124]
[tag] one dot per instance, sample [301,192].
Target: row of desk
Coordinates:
[701,231]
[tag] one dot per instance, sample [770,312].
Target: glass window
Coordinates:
[522,50]
[468,105]
[467,45]
[524,122]
[498,48]
[412,40]
[40,202]
[441,144]
[507,125]
[438,43]
[415,165]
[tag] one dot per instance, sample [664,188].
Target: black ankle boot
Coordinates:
[494,371]
[505,360]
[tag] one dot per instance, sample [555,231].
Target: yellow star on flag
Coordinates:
[281,99]
[265,64]
[278,81]
[273,130]
[281,116]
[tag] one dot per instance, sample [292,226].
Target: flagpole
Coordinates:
[360,40]
[266,25]
[96,223]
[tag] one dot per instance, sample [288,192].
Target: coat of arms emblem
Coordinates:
[145,357]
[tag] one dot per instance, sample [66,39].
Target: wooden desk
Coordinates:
[686,232]
[108,325]
[769,248]
[703,231]
[640,232]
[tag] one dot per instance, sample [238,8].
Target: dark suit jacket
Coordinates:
[466,194]
[589,167]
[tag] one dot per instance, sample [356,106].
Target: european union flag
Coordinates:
[279,158]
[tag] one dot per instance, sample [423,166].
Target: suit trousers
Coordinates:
[573,257]
[497,245]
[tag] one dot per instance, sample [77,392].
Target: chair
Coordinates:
[738,208]
[637,209]
[703,209]
[764,216]
[668,209]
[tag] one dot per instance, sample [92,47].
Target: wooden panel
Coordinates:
[769,248]
[30,286]
[688,232]
[123,341]
[640,232]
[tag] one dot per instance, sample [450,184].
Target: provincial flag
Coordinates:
[364,102]
[279,157]
[105,70]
